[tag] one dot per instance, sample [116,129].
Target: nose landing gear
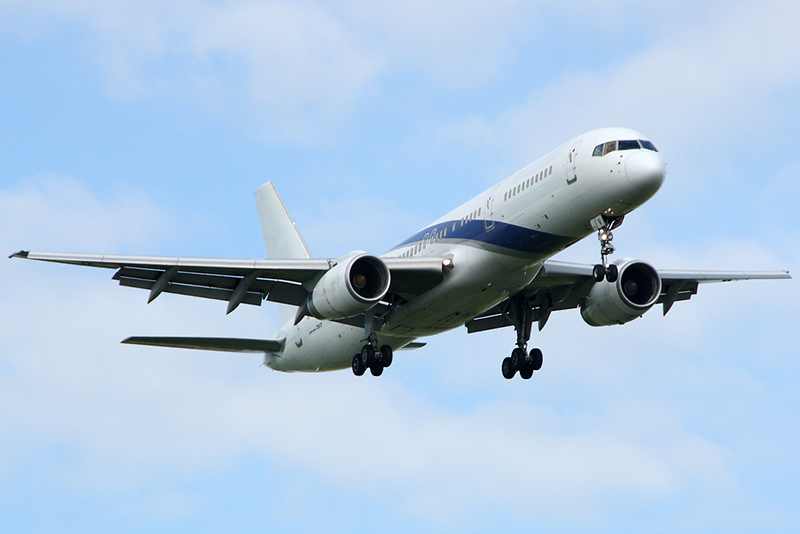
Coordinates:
[604,225]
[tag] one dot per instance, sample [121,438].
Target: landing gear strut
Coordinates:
[604,225]
[521,315]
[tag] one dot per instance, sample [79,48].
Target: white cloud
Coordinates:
[457,44]
[289,70]
[699,83]
[61,213]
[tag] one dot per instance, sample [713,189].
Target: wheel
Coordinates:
[526,372]
[536,359]
[376,369]
[612,272]
[358,367]
[368,355]
[508,369]
[599,272]
[386,355]
[518,358]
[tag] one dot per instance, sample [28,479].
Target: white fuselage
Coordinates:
[497,240]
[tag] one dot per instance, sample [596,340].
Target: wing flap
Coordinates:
[414,276]
[194,291]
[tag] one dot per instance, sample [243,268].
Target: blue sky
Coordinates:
[144,128]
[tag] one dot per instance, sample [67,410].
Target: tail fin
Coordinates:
[281,236]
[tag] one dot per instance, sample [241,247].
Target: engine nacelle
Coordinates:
[637,288]
[356,283]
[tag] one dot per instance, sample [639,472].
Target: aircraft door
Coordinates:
[572,164]
[298,336]
[488,216]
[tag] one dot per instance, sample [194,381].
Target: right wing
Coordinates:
[563,286]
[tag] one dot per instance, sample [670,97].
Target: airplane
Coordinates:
[485,265]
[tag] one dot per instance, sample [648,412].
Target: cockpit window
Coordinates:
[609,147]
[629,145]
[605,148]
[648,145]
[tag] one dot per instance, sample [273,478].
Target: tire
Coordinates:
[527,372]
[368,356]
[358,368]
[598,272]
[386,355]
[612,273]
[376,369]
[536,359]
[517,359]
[508,369]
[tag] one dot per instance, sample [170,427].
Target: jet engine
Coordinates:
[356,283]
[636,289]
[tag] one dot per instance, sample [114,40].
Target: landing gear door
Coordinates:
[572,164]
[488,219]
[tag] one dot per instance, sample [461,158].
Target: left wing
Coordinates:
[222,344]
[240,281]
[562,286]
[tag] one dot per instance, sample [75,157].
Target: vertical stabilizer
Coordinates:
[281,236]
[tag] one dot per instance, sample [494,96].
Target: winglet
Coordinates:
[20,254]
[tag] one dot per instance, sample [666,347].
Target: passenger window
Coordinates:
[629,145]
[551,170]
[609,147]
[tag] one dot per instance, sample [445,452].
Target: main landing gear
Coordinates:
[521,315]
[524,362]
[372,359]
[604,225]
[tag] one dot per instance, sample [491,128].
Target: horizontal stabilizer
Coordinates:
[223,344]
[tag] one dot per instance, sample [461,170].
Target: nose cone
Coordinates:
[645,170]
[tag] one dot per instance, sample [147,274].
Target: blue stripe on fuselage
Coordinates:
[504,235]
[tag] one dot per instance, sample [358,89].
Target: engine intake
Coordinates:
[636,290]
[356,283]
